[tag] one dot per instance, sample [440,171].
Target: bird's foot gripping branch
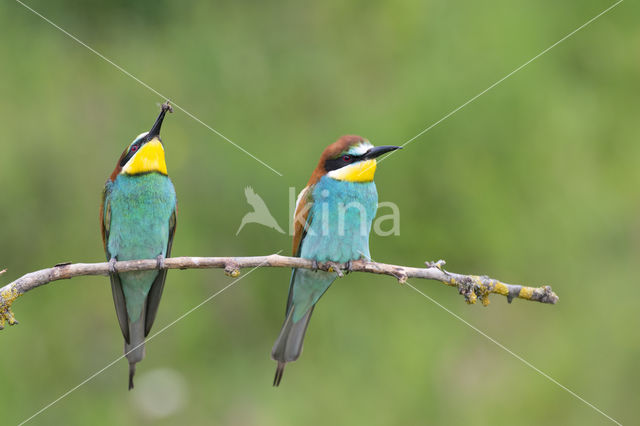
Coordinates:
[472,287]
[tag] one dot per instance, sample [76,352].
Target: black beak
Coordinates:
[155,130]
[377,151]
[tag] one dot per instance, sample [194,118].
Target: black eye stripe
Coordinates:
[132,151]
[341,161]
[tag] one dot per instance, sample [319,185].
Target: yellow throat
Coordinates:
[362,171]
[150,158]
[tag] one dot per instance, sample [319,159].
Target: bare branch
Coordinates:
[472,287]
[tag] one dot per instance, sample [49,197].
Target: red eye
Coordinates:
[134,148]
[346,158]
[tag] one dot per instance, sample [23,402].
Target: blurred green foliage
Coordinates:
[535,182]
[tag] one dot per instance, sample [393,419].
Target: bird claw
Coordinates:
[349,266]
[112,266]
[315,266]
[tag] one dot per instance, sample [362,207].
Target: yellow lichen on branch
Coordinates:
[500,288]
[474,287]
[7,296]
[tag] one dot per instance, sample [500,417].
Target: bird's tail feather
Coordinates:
[279,373]
[288,346]
[132,372]
[134,350]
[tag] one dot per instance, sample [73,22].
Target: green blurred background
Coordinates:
[535,182]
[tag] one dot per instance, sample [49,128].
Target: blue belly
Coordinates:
[339,225]
[340,220]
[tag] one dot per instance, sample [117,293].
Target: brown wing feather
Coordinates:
[301,218]
[301,224]
[155,293]
[103,226]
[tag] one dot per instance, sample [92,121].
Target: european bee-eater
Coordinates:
[138,218]
[333,219]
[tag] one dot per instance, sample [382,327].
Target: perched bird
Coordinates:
[138,219]
[332,220]
[260,213]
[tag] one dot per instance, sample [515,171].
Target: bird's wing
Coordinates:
[301,220]
[116,286]
[105,219]
[155,293]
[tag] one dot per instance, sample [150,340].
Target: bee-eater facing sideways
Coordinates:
[332,220]
[138,218]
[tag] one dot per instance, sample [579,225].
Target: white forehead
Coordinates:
[141,135]
[360,148]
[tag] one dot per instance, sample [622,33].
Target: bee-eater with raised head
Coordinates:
[138,218]
[332,219]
